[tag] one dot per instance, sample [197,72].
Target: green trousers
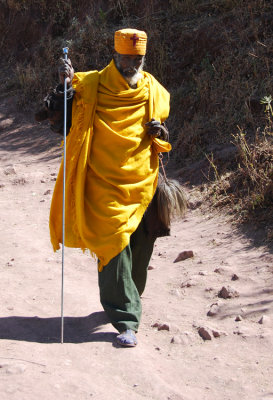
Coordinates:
[123,280]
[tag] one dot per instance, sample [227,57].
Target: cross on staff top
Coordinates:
[134,38]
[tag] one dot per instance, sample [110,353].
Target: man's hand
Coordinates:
[156,129]
[65,70]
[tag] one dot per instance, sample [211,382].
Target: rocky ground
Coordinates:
[206,330]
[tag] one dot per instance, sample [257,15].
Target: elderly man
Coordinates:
[112,171]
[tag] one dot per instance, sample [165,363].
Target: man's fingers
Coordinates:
[64,61]
[153,123]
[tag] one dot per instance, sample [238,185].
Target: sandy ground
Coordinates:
[233,359]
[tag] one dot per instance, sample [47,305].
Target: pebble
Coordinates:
[264,320]
[194,204]
[209,289]
[238,318]
[10,170]
[188,283]
[176,340]
[234,277]
[150,268]
[227,293]
[184,255]
[47,192]
[214,309]
[161,327]
[164,327]
[204,333]
[10,263]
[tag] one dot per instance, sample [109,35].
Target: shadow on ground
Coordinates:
[20,133]
[48,330]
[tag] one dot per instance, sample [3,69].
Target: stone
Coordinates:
[238,331]
[9,264]
[204,333]
[10,170]
[227,293]
[218,334]
[164,327]
[188,283]
[234,277]
[194,204]
[214,309]
[176,340]
[161,327]
[218,270]
[150,268]
[184,255]
[47,192]
[238,318]
[264,320]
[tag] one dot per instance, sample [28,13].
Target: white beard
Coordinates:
[131,80]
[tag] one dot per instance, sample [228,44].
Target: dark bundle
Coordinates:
[168,202]
[171,200]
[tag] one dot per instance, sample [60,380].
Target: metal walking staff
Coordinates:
[65,52]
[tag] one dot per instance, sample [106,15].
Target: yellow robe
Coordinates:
[112,163]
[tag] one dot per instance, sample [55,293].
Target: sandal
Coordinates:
[127,338]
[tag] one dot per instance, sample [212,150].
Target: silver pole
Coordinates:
[65,52]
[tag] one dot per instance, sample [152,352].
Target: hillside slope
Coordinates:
[214,56]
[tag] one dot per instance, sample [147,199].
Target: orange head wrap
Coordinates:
[130,41]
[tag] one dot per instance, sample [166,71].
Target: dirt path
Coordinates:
[174,363]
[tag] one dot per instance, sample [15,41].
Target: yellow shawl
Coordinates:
[112,163]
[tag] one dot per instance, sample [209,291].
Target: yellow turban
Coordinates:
[130,41]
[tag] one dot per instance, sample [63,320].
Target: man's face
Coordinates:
[128,65]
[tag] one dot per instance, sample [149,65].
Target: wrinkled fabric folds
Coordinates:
[112,163]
